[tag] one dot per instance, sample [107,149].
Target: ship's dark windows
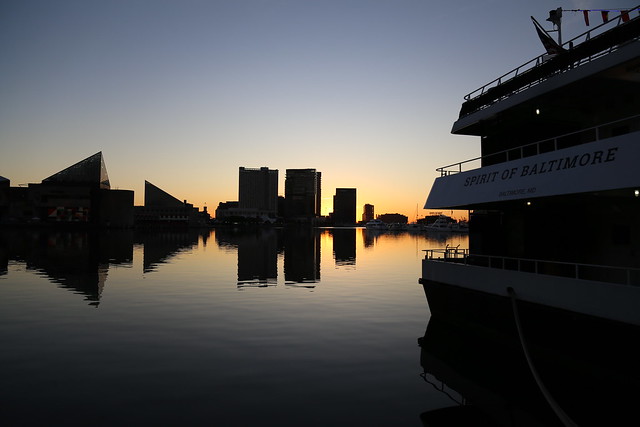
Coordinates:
[493,159]
[546,146]
[514,154]
[530,150]
[620,130]
[569,141]
[621,234]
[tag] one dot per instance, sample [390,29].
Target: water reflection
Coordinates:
[301,256]
[344,246]
[78,261]
[257,254]
[593,379]
[161,246]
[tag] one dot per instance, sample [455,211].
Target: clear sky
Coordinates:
[183,92]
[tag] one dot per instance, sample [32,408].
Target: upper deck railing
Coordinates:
[580,50]
[601,273]
[584,136]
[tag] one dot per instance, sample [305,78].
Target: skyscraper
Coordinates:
[368,213]
[302,194]
[344,206]
[258,191]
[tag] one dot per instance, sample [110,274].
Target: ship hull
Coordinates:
[609,301]
[585,378]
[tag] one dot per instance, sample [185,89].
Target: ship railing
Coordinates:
[583,136]
[601,273]
[543,58]
[448,254]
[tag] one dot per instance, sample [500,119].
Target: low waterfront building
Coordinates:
[80,194]
[161,209]
[393,218]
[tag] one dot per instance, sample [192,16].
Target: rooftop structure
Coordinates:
[90,171]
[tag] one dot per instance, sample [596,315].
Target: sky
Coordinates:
[181,93]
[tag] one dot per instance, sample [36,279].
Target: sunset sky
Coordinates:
[183,92]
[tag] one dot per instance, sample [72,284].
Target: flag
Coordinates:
[586,17]
[624,14]
[605,15]
[552,47]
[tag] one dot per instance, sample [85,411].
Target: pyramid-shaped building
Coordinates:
[163,210]
[90,171]
[79,194]
[154,197]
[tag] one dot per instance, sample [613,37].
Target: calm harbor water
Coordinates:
[221,327]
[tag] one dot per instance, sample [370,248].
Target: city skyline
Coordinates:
[183,93]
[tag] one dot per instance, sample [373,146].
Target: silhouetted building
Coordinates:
[226,210]
[80,194]
[393,218]
[258,191]
[301,255]
[344,206]
[302,194]
[368,213]
[5,188]
[161,209]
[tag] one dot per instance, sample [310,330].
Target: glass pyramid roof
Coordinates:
[88,171]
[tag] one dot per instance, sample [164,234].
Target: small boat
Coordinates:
[376,224]
[414,226]
[448,224]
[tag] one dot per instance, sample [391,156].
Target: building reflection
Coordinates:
[369,237]
[160,246]
[75,260]
[259,249]
[344,246]
[301,256]
[589,379]
[257,254]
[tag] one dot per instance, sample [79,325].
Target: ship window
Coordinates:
[569,141]
[621,234]
[546,146]
[620,130]
[514,154]
[529,150]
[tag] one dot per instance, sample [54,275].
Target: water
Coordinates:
[222,327]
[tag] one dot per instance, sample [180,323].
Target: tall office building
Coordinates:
[258,191]
[302,194]
[344,206]
[368,213]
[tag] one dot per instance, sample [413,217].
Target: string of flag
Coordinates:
[604,13]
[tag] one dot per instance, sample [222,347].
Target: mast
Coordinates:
[555,17]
